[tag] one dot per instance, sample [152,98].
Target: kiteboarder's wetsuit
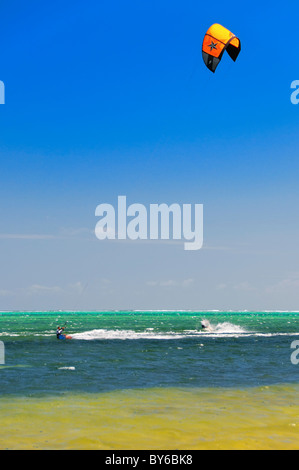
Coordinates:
[59,332]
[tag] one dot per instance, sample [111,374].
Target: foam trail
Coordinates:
[221,330]
[227,327]
[124,334]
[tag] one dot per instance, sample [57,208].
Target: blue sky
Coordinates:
[113,98]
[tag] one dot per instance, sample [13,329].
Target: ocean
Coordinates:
[149,380]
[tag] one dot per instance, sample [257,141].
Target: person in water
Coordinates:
[59,333]
[205,325]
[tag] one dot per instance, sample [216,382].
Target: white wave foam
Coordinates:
[4,333]
[221,330]
[229,330]
[124,334]
[227,327]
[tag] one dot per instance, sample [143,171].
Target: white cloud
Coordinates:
[171,283]
[40,289]
[240,286]
[188,282]
[5,292]
[63,233]
[285,285]
[221,286]
[244,286]
[25,236]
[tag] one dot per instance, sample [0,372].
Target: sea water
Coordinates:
[149,380]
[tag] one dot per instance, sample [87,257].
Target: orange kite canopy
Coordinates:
[216,41]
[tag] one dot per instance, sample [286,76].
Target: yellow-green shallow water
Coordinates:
[173,418]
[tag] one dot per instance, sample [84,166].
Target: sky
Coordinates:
[104,99]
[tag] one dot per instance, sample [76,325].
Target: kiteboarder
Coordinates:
[205,324]
[60,335]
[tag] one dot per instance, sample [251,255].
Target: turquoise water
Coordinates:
[129,350]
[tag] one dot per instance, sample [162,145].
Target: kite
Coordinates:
[218,39]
